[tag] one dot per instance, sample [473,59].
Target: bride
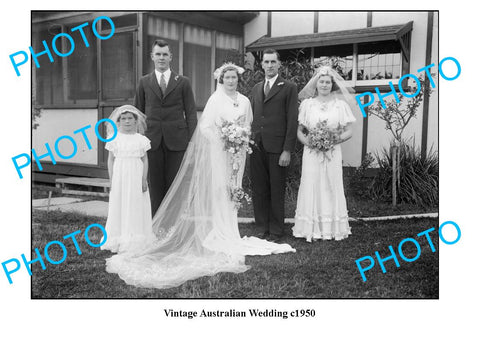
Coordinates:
[196,225]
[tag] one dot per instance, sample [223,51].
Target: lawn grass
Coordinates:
[324,269]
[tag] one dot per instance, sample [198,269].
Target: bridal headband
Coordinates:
[219,70]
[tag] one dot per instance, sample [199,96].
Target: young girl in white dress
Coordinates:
[321,206]
[129,222]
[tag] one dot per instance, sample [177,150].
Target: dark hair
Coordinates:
[271,51]
[228,68]
[160,43]
[334,83]
[120,115]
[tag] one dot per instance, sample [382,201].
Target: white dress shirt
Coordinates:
[271,81]
[166,74]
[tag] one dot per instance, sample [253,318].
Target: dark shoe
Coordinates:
[277,238]
[265,235]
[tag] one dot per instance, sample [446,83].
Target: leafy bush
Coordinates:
[418,177]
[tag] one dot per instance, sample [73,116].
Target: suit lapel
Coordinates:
[274,90]
[172,83]
[154,85]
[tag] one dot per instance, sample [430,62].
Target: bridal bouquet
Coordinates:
[235,137]
[321,138]
[236,140]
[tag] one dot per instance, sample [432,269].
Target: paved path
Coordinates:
[100,209]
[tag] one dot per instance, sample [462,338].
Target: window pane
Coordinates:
[159,28]
[197,62]
[118,66]
[69,79]
[387,53]
[81,70]
[49,80]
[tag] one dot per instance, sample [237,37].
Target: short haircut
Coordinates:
[228,68]
[271,51]
[160,43]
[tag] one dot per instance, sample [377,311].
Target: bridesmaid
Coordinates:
[321,205]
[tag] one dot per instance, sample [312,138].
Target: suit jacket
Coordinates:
[275,118]
[172,116]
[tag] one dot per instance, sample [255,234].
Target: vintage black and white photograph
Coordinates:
[234,154]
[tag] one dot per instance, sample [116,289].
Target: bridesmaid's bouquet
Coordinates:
[322,138]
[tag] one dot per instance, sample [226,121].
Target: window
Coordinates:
[118,67]
[379,60]
[366,57]
[376,63]
[68,80]
[197,62]
[81,70]
[106,71]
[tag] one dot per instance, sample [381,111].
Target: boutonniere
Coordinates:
[176,78]
[281,83]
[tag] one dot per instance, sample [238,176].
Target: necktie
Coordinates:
[267,88]
[163,84]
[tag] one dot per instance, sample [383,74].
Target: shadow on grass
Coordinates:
[323,269]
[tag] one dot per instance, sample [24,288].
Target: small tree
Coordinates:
[396,116]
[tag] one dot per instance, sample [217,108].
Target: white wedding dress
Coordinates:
[196,225]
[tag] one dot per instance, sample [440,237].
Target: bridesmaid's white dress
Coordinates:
[321,206]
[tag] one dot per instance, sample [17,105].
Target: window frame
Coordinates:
[99,101]
[370,84]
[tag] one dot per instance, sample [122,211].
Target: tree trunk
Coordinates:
[399,165]
[394,152]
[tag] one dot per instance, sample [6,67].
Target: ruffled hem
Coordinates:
[325,228]
[321,219]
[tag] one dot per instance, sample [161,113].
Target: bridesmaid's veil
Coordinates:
[344,91]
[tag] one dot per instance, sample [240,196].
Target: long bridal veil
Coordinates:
[196,225]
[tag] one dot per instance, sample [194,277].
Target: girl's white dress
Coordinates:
[321,206]
[129,222]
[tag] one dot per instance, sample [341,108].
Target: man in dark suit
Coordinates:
[274,127]
[167,100]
